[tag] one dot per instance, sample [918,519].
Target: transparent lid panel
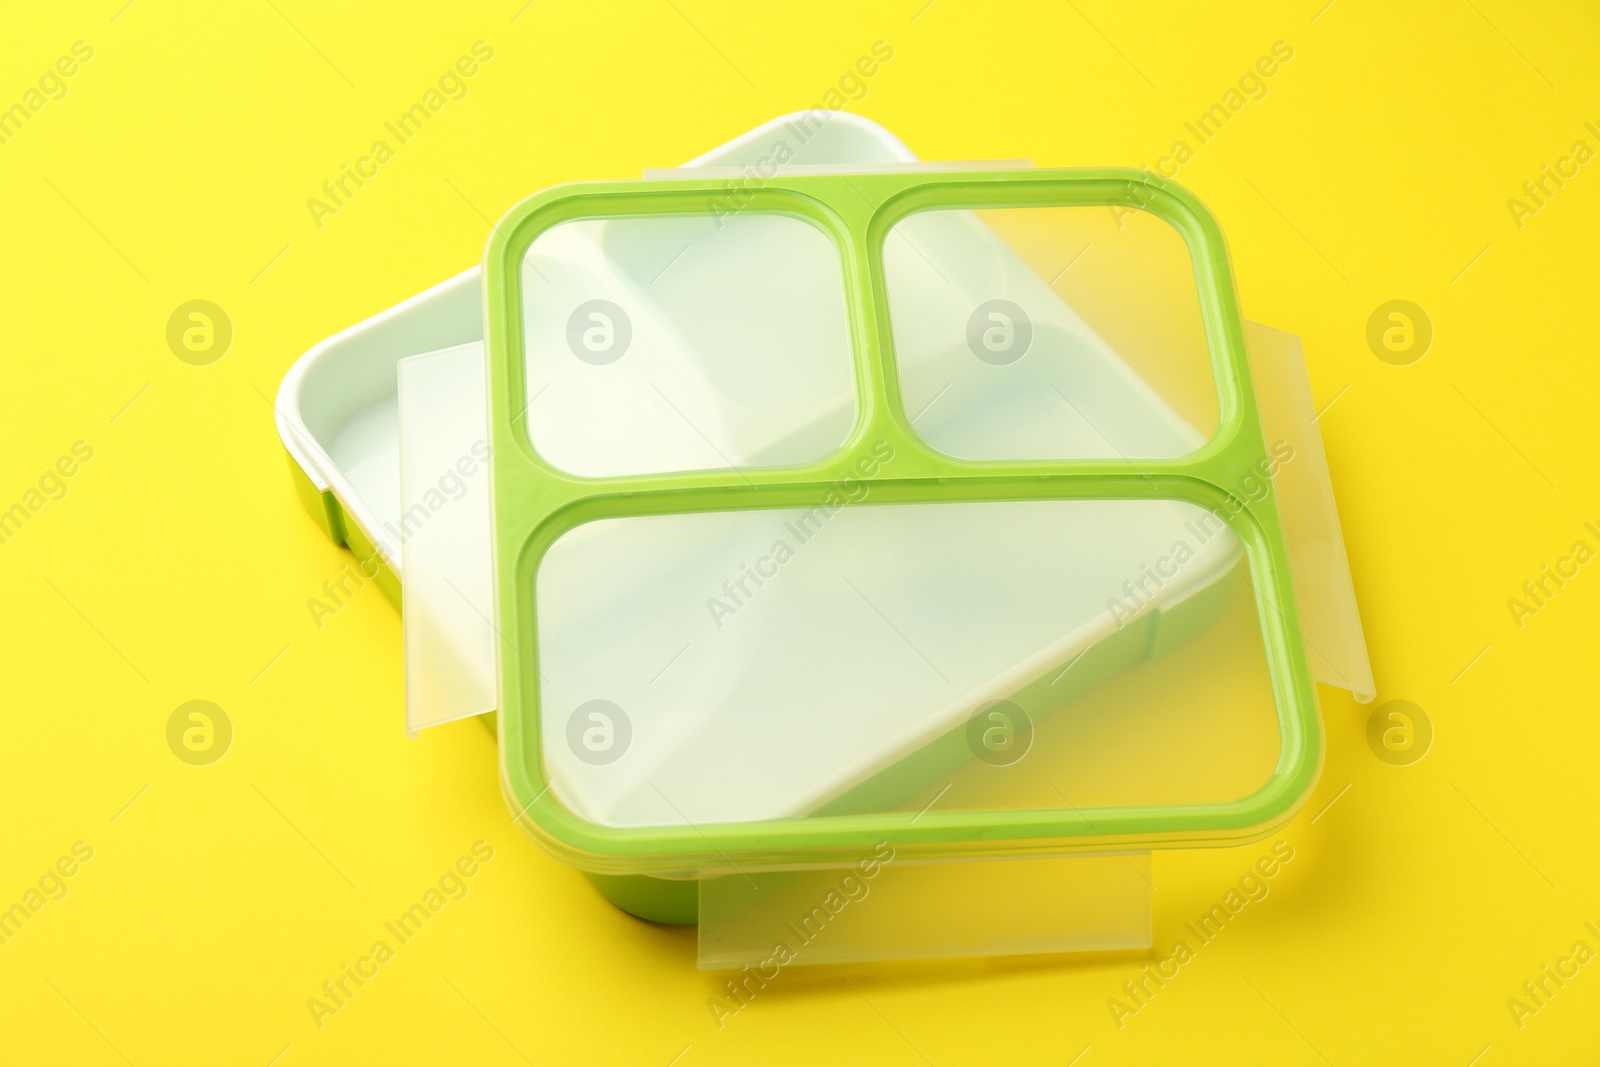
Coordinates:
[1049,333]
[735,666]
[659,344]
[445,527]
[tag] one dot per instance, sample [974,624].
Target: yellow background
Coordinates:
[177,167]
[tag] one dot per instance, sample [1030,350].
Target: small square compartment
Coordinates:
[1038,333]
[656,344]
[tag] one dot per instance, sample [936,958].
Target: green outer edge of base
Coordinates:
[661,900]
[331,519]
[321,506]
[535,504]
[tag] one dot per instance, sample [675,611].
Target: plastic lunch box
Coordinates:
[843,538]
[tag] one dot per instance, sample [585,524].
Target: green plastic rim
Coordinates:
[536,503]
